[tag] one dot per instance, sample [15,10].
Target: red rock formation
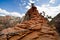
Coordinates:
[34,27]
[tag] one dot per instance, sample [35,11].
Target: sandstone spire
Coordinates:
[34,27]
[33,13]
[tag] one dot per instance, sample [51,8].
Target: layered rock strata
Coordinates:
[34,27]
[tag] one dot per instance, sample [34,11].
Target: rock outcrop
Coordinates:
[8,21]
[56,21]
[33,27]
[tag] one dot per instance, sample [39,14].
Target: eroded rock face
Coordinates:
[34,27]
[56,21]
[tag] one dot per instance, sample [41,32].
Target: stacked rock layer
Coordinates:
[34,27]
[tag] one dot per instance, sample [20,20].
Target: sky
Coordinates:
[20,7]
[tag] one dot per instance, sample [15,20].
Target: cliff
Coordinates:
[8,21]
[33,27]
[56,21]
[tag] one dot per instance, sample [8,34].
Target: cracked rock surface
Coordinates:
[33,27]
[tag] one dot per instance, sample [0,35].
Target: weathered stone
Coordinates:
[33,27]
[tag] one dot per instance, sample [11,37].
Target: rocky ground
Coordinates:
[33,27]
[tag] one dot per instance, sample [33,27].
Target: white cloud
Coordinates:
[52,1]
[49,10]
[28,7]
[4,12]
[16,14]
[2,15]
[31,1]
[24,3]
